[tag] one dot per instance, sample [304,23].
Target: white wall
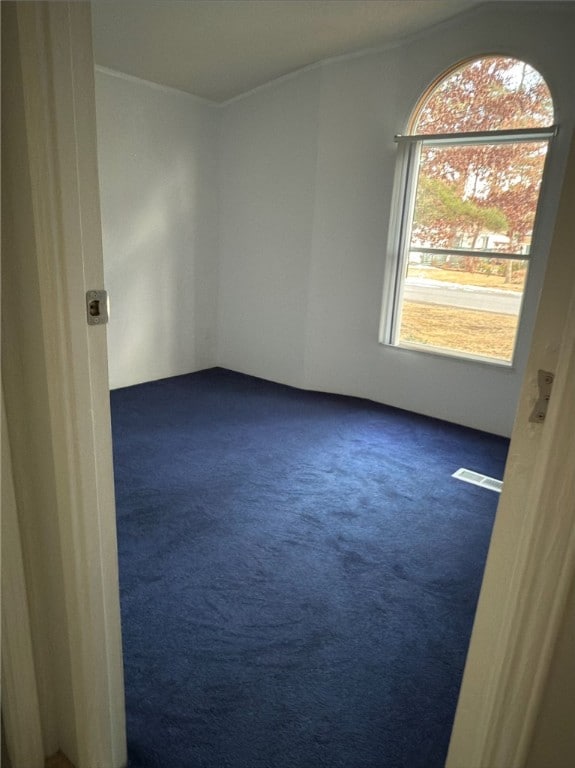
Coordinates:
[328,310]
[157,159]
[267,194]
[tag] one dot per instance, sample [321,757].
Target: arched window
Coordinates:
[470,173]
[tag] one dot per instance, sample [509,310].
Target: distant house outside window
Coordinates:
[470,171]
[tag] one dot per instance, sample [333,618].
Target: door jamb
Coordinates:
[58,89]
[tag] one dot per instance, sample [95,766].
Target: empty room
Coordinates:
[334,288]
[299,571]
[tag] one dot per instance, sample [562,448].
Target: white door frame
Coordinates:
[56,63]
[21,711]
[532,555]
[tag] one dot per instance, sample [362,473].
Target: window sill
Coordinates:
[458,357]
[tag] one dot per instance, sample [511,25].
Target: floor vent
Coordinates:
[475,478]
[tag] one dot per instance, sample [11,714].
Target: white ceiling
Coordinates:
[219,49]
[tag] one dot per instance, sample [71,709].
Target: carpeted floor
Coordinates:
[299,574]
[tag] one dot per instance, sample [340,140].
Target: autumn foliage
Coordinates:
[467,193]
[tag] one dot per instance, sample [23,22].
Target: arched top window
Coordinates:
[470,172]
[494,93]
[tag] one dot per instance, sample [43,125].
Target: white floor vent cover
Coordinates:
[469,476]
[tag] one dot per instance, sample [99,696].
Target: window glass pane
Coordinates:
[461,304]
[491,93]
[469,209]
[478,196]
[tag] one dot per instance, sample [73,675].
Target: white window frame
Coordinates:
[405,188]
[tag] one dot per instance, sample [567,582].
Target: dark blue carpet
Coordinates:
[299,574]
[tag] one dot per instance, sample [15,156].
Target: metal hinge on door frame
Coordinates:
[545,383]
